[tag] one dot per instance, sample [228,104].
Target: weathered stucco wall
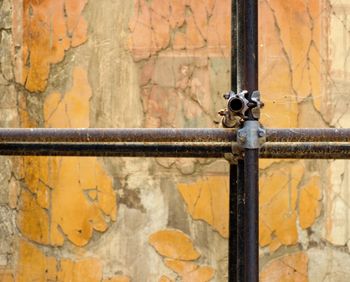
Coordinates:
[156,63]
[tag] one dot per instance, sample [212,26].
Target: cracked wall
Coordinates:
[138,63]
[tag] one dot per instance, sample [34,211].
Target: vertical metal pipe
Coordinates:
[240,46]
[240,182]
[240,222]
[233,237]
[251,178]
[234,45]
[233,231]
[248,80]
[251,75]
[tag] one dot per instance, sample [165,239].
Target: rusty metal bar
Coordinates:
[233,208]
[233,224]
[305,151]
[116,135]
[240,220]
[308,135]
[92,135]
[248,79]
[188,150]
[180,150]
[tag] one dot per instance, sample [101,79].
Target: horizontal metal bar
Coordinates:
[308,135]
[85,135]
[306,151]
[177,150]
[92,135]
[187,150]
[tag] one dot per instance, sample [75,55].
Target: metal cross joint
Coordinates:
[238,107]
[251,135]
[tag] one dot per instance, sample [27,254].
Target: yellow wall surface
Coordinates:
[166,63]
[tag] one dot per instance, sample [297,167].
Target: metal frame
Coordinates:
[203,143]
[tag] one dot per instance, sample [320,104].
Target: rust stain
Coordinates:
[207,199]
[43,31]
[59,201]
[286,269]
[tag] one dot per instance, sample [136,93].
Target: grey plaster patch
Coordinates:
[6,55]
[329,265]
[5,175]
[7,233]
[5,14]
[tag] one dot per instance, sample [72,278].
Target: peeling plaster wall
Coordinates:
[138,63]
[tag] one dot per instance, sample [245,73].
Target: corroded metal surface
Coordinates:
[166,135]
[181,150]
[117,135]
[321,150]
[308,135]
[188,150]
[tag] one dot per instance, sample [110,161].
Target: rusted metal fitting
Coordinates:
[229,119]
[239,106]
[256,104]
[251,135]
[237,103]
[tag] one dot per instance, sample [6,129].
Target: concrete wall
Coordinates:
[156,63]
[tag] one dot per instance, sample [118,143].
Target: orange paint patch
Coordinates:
[33,265]
[286,269]
[280,205]
[43,31]
[189,271]
[289,50]
[61,203]
[278,201]
[179,252]
[208,200]
[309,202]
[80,215]
[71,109]
[33,221]
[201,274]
[174,244]
[180,267]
